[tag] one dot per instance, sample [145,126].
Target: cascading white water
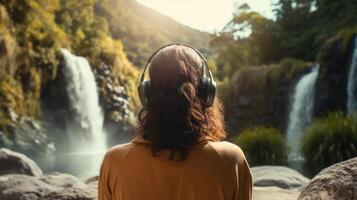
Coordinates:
[352,82]
[87,129]
[301,110]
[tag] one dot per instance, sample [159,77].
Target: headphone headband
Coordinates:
[182,44]
[207,89]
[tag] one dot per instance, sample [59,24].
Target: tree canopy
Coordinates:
[298,30]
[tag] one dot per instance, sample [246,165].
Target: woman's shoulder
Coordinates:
[118,152]
[228,151]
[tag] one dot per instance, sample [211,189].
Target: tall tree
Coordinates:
[248,39]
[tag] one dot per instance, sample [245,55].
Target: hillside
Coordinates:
[142,30]
[120,34]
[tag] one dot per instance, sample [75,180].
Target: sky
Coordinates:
[205,15]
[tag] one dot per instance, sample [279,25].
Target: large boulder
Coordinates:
[338,181]
[63,180]
[70,194]
[16,163]
[22,187]
[274,193]
[49,187]
[92,183]
[279,176]
[22,179]
[92,179]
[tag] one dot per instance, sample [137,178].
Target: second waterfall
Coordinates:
[301,111]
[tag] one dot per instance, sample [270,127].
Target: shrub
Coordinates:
[262,146]
[330,140]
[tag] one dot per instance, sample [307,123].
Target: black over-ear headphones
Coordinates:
[207,88]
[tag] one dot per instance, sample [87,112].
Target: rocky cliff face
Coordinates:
[27,135]
[118,118]
[259,96]
[55,106]
[331,84]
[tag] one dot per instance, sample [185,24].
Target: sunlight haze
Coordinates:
[205,15]
[275,99]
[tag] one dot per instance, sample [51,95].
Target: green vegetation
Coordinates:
[347,36]
[299,30]
[255,96]
[19,82]
[270,76]
[330,140]
[262,146]
[90,37]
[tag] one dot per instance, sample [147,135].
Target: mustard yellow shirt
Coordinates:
[212,171]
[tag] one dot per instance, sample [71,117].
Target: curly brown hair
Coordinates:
[176,117]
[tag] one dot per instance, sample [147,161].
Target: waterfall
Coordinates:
[300,114]
[352,82]
[86,128]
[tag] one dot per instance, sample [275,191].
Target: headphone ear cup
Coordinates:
[211,93]
[207,91]
[144,93]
